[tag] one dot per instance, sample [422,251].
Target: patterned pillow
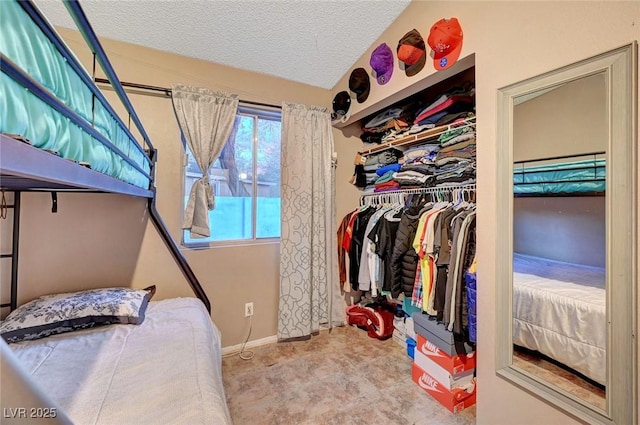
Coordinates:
[59,313]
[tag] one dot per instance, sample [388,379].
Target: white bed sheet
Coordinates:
[559,309]
[167,370]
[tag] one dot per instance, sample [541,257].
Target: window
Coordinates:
[245,180]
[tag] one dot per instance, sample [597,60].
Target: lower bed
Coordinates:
[559,310]
[166,370]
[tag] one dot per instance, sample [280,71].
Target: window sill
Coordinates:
[228,244]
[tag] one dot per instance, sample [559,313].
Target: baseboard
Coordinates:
[250,344]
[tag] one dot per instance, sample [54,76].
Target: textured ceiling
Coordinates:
[309,41]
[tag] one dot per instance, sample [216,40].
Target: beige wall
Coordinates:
[569,120]
[569,229]
[512,41]
[99,240]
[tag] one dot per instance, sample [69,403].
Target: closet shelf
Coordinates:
[418,137]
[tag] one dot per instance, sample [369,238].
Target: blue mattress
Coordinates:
[22,112]
[561,178]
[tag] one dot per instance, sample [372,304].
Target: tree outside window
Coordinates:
[245,180]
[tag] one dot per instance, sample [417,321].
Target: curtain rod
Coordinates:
[167,91]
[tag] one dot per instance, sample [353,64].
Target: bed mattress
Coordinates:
[559,310]
[568,177]
[23,113]
[166,370]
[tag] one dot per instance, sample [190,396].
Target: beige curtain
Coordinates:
[206,120]
[309,294]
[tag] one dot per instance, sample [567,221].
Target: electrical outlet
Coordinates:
[248,309]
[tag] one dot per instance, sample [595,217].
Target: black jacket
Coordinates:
[404,259]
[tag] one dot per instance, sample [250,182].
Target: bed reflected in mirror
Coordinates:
[566,255]
[559,236]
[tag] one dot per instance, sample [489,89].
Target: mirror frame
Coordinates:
[620,69]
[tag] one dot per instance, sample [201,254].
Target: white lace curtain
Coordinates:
[309,292]
[206,120]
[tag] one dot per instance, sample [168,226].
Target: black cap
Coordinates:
[341,104]
[359,84]
[412,52]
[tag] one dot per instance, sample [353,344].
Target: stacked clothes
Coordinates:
[389,121]
[385,182]
[456,159]
[417,166]
[365,176]
[401,121]
[392,123]
[448,160]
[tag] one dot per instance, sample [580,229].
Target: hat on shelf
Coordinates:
[382,63]
[412,52]
[445,38]
[359,84]
[341,106]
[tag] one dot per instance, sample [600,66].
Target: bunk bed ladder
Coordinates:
[15,238]
[171,244]
[176,253]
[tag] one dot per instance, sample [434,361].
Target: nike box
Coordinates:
[437,343]
[452,364]
[439,335]
[456,393]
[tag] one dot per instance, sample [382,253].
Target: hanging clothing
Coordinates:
[364,275]
[404,259]
[357,241]
[342,253]
[385,232]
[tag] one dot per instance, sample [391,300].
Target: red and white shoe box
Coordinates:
[453,364]
[455,392]
[440,345]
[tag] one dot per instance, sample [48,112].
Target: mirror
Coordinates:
[567,263]
[559,238]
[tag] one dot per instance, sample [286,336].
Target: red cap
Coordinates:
[445,38]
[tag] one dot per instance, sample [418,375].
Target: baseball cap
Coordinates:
[341,105]
[359,84]
[382,63]
[412,52]
[445,38]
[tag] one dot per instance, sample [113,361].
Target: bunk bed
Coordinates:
[561,175]
[58,133]
[559,308]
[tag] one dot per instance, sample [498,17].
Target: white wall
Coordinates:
[512,41]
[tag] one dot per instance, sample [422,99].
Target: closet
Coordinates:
[411,240]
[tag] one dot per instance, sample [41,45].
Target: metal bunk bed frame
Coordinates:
[24,168]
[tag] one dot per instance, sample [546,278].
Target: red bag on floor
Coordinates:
[374,318]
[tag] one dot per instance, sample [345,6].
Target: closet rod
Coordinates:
[418,190]
[399,195]
[167,91]
[419,137]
